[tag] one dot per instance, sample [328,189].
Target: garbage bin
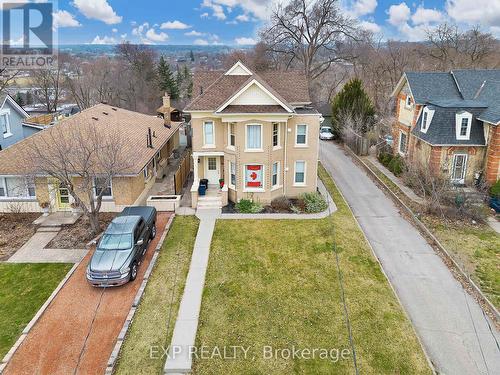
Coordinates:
[204,182]
[202,189]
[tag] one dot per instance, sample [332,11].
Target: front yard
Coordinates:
[15,230]
[273,286]
[476,247]
[23,290]
[154,320]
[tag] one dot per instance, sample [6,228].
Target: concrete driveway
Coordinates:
[78,331]
[445,317]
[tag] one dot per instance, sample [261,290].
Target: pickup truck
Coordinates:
[122,246]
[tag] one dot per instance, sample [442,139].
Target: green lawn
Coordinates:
[275,283]
[148,332]
[475,247]
[23,290]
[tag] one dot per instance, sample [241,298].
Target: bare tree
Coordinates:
[6,78]
[82,160]
[50,84]
[311,33]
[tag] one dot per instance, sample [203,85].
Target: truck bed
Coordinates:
[147,213]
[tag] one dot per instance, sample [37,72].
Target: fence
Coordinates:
[181,175]
[357,143]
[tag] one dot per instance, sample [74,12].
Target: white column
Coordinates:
[196,180]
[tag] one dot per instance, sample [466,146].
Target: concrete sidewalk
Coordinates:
[186,325]
[33,251]
[451,325]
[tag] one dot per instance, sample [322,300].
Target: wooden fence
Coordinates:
[182,173]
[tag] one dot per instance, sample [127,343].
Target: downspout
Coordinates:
[285,167]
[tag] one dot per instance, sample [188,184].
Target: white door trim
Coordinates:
[460,180]
[212,176]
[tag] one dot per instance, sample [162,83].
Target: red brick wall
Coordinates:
[435,160]
[493,157]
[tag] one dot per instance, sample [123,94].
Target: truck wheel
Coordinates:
[133,271]
[153,231]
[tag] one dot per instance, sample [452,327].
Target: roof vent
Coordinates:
[105,113]
[201,90]
[149,139]
[114,109]
[95,118]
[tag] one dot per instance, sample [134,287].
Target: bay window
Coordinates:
[254,137]
[301,135]
[300,172]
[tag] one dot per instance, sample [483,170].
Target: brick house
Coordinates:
[450,121]
[256,131]
[23,189]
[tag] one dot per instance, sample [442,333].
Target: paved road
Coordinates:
[78,331]
[443,315]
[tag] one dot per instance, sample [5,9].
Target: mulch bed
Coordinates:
[77,235]
[15,230]
[231,208]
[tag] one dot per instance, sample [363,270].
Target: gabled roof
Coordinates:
[131,126]
[442,129]
[6,98]
[215,88]
[490,94]
[427,86]
[470,81]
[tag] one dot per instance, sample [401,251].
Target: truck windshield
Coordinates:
[116,242]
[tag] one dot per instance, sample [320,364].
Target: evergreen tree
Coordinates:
[166,81]
[29,98]
[191,55]
[19,99]
[188,81]
[352,100]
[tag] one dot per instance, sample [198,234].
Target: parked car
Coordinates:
[495,204]
[122,247]
[326,133]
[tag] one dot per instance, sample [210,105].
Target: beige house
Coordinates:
[255,133]
[149,140]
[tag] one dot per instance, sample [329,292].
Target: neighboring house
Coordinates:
[12,117]
[257,132]
[148,158]
[450,121]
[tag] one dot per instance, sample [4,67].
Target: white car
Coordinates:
[326,133]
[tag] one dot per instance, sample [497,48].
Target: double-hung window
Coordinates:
[300,172]
[254,137]
[5,125]
[275,175]
[101,186]
[231,134]
[208,134]
[276,134]
[301,139]
[464,126]
[403,139]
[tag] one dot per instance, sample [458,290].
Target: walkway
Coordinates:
[33,251]
[445,317]
[186,324]
[78,331]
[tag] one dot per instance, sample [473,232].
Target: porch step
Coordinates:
[209,202]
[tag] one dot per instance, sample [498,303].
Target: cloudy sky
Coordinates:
[236,22]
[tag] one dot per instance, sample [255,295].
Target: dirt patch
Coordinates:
[15,230]
[77,235]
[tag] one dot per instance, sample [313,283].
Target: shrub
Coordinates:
[281,204]
[314,202]
[247,206]
[385,158]
[396,165]
[495,190]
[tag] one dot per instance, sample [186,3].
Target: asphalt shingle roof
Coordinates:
[470,81]
[490,94]
[427,86]
[442,129]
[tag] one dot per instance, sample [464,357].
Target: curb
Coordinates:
[113,358]
[492,311]
[427,357]
[6,359]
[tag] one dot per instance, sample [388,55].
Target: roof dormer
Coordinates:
[426,119]
[238,69]
[463,124]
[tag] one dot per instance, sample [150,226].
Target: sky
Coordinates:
[237,22]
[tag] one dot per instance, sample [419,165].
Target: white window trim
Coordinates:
[205,144]
[408,103]
[105,197]
[229,184]
[250,189]
[430,114]
[261,149]
[458,125]
[229,146]
[399,143]
[23,198]
[278,146]
[6,113]
[459,180]
[278,180]
[295,183]
[297,134]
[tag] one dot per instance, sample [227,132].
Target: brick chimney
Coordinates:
[167,109]
[166,100]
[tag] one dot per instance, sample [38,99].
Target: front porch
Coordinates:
[208,171]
